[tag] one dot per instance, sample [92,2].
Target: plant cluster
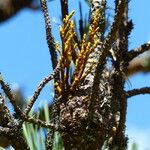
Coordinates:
[90,102]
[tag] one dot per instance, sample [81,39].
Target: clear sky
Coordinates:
[25,58]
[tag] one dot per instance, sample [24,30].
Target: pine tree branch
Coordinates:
[5,116]
[13,137]
[49,36]
[39,89]
[115,25]
[5,87]
[134,92]
[139,64]
[64,8]
[10,129]
[106,47]
[39,122]
[49,139]
[139,50]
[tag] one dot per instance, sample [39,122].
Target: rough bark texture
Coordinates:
[90,104]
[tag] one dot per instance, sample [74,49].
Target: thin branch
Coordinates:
[120,67]
[39,89]
[39,122]
[5,87]
[134,92]
[64,8]
[5,116]
[115,26]
[13,137]
[49,139]
[107,45]
[138,65]
[139,50]
[101,60]
[49,36]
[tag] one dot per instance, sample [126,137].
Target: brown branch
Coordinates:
[39,122]
[134,92]
[10,128]
[5,87]
[139,50]
[101,60]
[107,45]
[120,65]
[12,136]
[138,65]
[49,36]
[49,139]
[39,89]
[5,116]
[115,26]
[64,8]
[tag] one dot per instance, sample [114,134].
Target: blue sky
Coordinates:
[25,58]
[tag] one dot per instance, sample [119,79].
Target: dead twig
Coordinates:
[134,92]
[39,89]
[49,36]
[139,50]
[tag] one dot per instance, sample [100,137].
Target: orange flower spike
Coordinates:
[67,35]
[69,32]
[67,27]
[56,84]
[66,47]
[88,47]
[66,20]
[70,38]
[60,60]
[72,24]
[78,67]
[96,30]
[90,29]
[84,38]
[70,15]
[95,44]
[77,61]
[96,16]
[68,60]
[83,46]
[59,89]
[91,35]
[61,29]
[89,44]
[93,40]
[75,45]
[65,77]
[74,84]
